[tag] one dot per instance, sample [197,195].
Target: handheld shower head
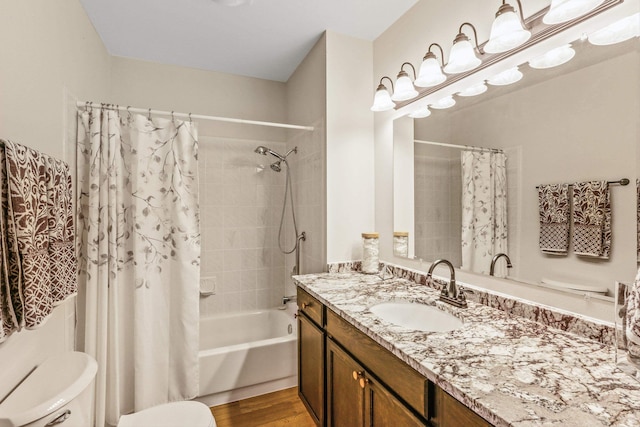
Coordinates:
[261,149]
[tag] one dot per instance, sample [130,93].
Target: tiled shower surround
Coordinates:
[438,205]
[240,202]
[240,207]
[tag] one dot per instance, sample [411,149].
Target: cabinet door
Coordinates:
[383,409]
[311,368]
[451,413]
[345,396]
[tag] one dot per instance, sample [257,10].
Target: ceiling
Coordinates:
[265,38]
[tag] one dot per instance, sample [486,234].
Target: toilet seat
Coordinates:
[175,414]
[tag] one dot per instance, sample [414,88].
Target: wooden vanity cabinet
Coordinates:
[364,384]
[311,353]
[355,398]
[448,412]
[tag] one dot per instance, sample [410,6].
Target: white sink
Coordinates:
[419,317]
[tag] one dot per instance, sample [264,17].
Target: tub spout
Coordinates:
[286,299]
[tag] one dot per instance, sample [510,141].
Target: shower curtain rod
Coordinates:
[149,111]
[461,147]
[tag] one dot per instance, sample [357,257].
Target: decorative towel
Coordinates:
[553,204]
[39,264]
[8,319]
[632,323]
[638,209]
[592,219]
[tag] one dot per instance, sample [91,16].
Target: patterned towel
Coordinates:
[638,209]
[39,266]
[592,219]
[632,318]
[553,204]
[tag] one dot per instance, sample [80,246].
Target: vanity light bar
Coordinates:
[539,32]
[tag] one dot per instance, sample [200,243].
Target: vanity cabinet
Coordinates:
[347,379]
[355,398]
[311,353]
[448,411]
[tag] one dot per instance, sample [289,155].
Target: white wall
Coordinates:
[306,105]
[350,153]
[50,53]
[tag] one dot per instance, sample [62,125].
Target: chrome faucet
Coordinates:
[286,299]
[495,258]
[451,293]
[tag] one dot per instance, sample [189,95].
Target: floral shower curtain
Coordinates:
[139,255]
[484,210]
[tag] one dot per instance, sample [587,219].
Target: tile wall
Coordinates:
[240,204]
[438,210]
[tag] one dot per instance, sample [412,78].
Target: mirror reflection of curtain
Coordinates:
[484,210]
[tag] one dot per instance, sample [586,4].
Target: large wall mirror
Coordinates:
[573,123]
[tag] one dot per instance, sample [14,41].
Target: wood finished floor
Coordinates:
[281,408]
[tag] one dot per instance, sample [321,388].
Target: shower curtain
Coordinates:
[484,210]
[139,255]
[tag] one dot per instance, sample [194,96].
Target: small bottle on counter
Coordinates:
[370,253]
[401,243]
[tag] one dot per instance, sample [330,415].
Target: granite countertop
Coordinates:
[510,370]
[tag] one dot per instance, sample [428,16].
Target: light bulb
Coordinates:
[474,90]
[506,77]
[382,100]
[553,58]
[430,72]
[462,57]
[420,113]
[404,88]
[566,10]
[507,31]
[446,102]
[617,32]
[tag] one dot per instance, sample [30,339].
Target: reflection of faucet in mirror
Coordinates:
[495,258]
[450,294]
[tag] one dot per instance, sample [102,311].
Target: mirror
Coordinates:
[573,123]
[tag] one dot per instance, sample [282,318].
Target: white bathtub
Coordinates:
[247,354]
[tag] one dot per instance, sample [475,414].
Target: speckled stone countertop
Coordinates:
[510,370]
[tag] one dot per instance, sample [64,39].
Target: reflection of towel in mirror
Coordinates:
[553,204]
[592,219]
[632,328]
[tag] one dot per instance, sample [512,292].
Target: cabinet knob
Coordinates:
[305,305]
[358,374]
[364,382]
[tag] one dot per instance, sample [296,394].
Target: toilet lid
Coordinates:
[175,414]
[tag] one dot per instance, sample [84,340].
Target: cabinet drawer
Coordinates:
[405,381]
[311,307]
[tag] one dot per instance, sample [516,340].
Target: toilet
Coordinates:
[58,392]
[174,414]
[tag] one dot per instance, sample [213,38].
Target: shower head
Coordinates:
[276,166]
[261,149]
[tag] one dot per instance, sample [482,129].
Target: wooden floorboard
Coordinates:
[281,408]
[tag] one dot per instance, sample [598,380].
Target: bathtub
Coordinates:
[246,354]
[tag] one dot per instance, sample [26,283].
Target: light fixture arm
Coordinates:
[475,36]
[390,81]
[441,52]
[412,67]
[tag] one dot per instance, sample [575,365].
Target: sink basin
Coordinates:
[419,317]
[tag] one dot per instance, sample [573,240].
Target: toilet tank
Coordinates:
[60,389]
